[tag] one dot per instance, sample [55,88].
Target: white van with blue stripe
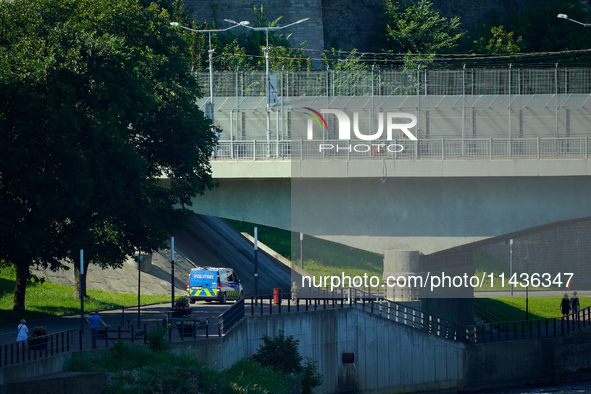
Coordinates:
[213,283]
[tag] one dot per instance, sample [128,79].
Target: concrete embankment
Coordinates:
[359,352]
[208,241]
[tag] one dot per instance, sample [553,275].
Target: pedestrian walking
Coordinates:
[565,305]
[294,292]
[217,131]
[23,335]
[95,320]
[574,303]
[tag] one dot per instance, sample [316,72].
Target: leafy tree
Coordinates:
[498,42]
[339,61]
[419,31]
[98,109]
[350,72]
[243,47]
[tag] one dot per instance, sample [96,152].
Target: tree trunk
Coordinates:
[77,279]
[20,287]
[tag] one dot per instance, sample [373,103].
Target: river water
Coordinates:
[567,388]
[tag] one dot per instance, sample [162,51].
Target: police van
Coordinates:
[213,283]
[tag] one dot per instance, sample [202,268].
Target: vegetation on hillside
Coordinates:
[47,299]
[155,368]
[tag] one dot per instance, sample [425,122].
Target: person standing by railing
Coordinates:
[94,322]
[565,305]
[218,134]
[574,303]
[23,335]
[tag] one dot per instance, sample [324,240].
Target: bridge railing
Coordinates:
[404,149]
[386,82]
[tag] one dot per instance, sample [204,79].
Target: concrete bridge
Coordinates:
[385,202]
[499,154]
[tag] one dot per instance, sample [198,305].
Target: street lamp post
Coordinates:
[266,29]
[527,288]
[564,16]
[139,282]
[211,52]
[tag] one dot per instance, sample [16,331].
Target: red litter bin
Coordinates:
[277,296]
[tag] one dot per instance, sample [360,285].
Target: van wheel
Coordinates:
[223,299]
[191,301]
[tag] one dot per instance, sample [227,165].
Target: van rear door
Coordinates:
[203,283]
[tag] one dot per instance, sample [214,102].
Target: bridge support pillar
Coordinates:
[400,264]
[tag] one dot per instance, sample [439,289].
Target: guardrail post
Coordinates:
[301,149]
[254,150]
[348,151]
[443,149]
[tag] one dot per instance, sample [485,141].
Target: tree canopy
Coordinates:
[419,29]
[243,47]
[102,143]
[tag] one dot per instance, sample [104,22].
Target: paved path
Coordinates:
[148,313]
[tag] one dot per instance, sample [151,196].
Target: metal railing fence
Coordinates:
[392,82]
[190,329]
[531,329]
[77,340]
[487,312]
[426,149]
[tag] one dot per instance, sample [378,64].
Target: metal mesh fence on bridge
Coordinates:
[393,83]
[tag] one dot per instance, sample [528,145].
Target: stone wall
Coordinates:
[345,24]
[291,11]
[565,249]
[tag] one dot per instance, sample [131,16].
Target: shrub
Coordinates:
[156,339]
[281,354]
[311,376]
[181,303]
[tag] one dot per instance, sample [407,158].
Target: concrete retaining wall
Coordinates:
[542,361]
[389,357]
[32,369]
[59,383]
